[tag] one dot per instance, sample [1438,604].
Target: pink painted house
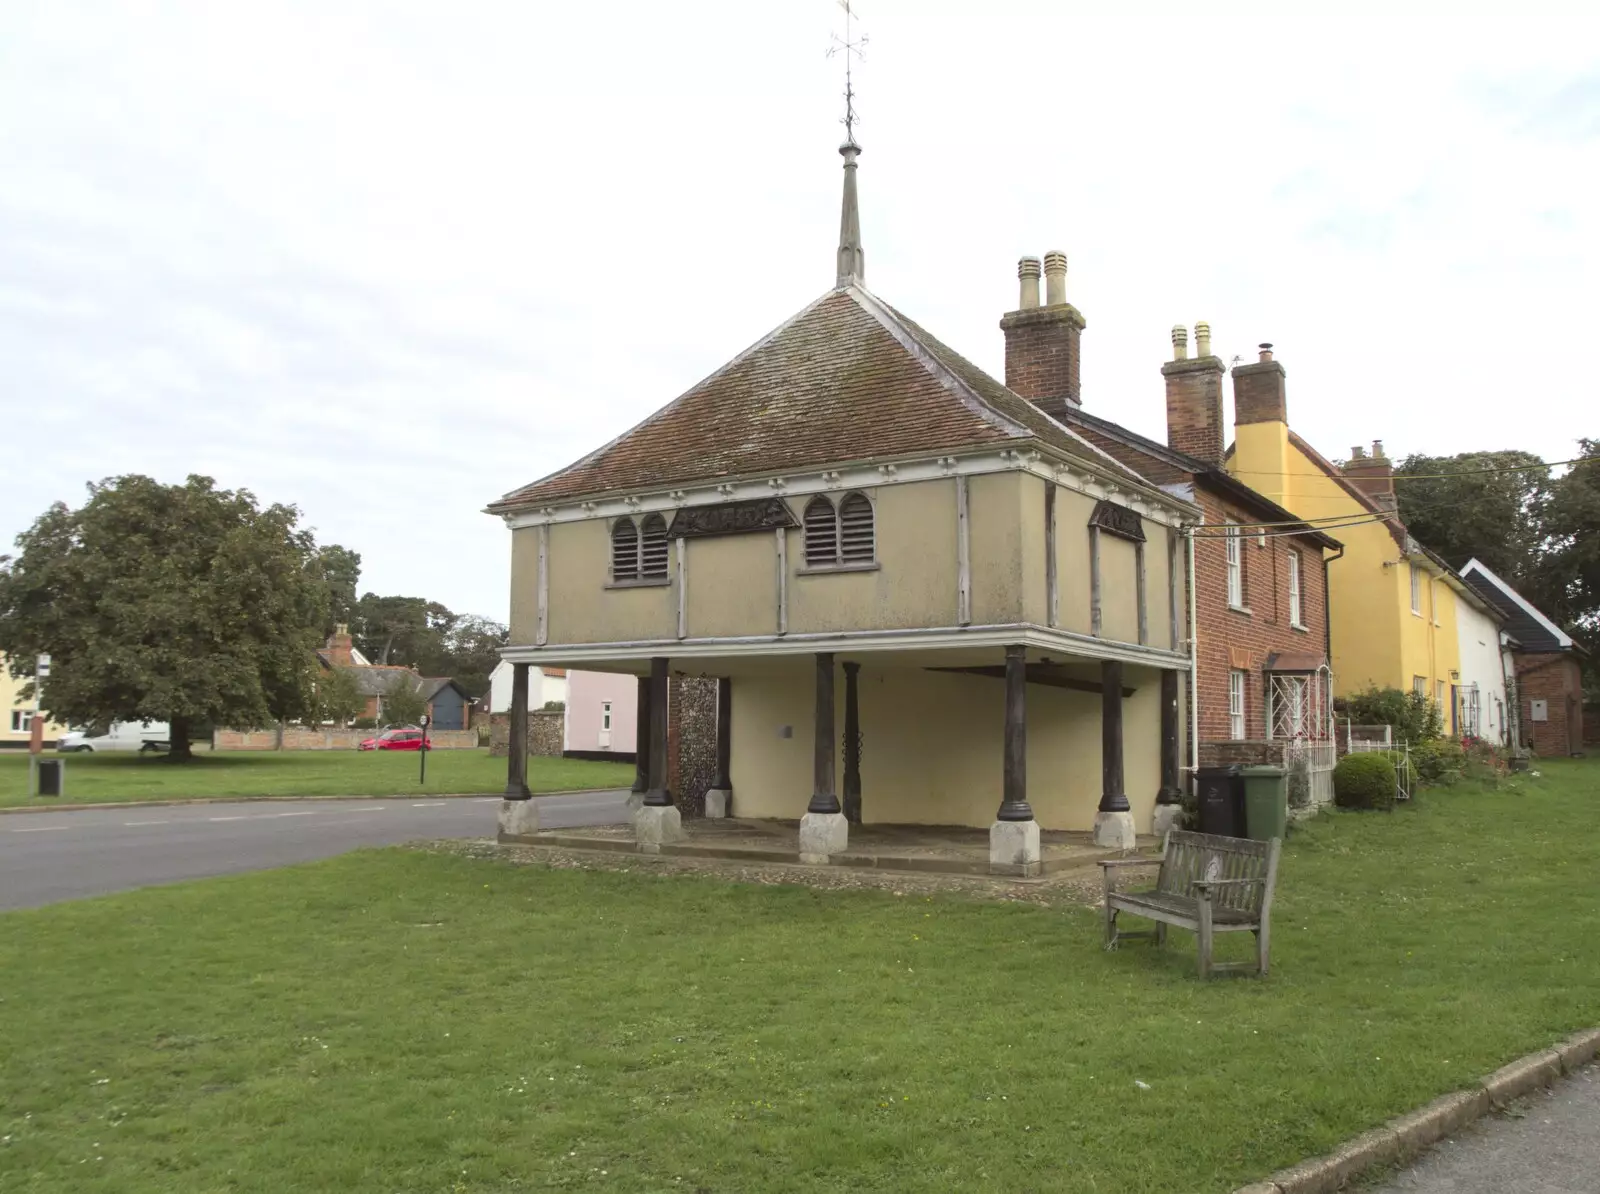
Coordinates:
[600,712]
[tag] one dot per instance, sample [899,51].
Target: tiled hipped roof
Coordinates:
[848,378]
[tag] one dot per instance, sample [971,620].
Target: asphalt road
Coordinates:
[1551,1146]
[45,857]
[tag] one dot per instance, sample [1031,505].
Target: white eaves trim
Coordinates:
[1157,506]
[1474,566]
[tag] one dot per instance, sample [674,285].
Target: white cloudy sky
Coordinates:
[390,260]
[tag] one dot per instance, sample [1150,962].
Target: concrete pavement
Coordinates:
[45,857]
[1552,1146]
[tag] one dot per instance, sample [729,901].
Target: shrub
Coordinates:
[1439,762]
[1364,781]
[364,723]
[1414,717]
[554,706]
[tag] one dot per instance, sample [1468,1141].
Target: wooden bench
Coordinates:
[1208,885]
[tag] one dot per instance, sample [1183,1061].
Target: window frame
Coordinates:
[22,721]
[1416,590]
[1419,685]
[1296,591]
[1233,555]
[1238,704]
[605,716]
[838,563]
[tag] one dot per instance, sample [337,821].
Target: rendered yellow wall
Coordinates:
[1157,586]
[524,584]
[1265,460]
[914,585]
[733,585]
[994,504]
[10,698]
[1119,605]
[934,744]
[582,609]
[1072,560]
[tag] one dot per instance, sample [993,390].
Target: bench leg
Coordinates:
[1161,932]
[1205,937]
[1263,945]
[1111,926]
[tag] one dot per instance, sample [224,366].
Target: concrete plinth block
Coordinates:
[719,802]
[823,835]
[1166,816]
[1114,831]
[1522,1077]
[1014,848]
[635,803]
[519,817]
[655,826]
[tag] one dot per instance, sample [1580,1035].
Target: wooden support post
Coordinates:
[517,746]
[852,745]
[1113,799]
[724,780]
[641,737]
[1014,804]
[1094,581]
[659,795]
[1170,793]
[823,797]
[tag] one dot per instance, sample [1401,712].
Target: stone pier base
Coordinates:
[519,817]
[823,835]
[719,802]
[1166,816]
[655,826]
[1014,849]
[1114,831]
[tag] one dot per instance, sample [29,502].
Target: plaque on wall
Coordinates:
[1117,520]
[731,518]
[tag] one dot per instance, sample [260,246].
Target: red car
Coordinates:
[396,740]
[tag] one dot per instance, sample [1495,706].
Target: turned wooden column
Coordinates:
[724,780]
[823,797]
[1113,799]
[1170,792]
[852,745]
[517,743]
[1014,804]
[659,795]
[641,737]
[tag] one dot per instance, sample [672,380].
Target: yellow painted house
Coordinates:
[1393,604]
[18,712]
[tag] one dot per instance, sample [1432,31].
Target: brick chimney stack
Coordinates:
[1372,475]
[340,646]
[1042,341]
[1259,393]
[1194,396]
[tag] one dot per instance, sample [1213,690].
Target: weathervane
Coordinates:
[851,48]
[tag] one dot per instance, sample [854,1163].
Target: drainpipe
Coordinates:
[1194,667]
[1327,641]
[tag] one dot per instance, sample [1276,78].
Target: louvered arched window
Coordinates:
[624,550]
[653,548]
[839,535]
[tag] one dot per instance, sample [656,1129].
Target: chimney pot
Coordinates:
[1202,339]
[1180,342]
[1358,453]
[1266,352]
[1377,449]
[1028,271]
[1055,278]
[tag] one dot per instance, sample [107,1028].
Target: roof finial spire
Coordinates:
[852,269]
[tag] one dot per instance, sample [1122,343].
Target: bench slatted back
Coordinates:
[1190,856]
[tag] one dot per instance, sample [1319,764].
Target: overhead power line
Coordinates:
[1471,472]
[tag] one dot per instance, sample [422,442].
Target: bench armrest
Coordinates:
[1111,862]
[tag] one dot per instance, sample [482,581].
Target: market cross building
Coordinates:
[904,576]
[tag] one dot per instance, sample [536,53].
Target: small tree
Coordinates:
[403,703]
[339,697]
[1414,717]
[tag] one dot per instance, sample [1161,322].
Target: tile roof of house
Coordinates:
[848,378]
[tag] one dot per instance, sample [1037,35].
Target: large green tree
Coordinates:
[179,603]
[474,646]
[339,569]
[1570,569]
[1498,516]
[410,631]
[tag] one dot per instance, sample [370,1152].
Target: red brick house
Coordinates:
[1260,600]
[446,701]
[1548,663]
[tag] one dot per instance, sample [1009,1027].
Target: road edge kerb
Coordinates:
[1413,1133]
[73,808]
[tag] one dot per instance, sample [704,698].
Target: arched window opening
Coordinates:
[653,548]
[822,533]
[624,550]
[856,542]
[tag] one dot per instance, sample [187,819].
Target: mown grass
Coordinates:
[93,778]
[400,1021]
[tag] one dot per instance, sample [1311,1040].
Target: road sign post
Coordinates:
[422,778]
[41,669]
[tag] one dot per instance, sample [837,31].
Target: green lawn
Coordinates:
[401,1021]
[92,778]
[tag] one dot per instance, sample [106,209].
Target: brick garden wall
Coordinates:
[303,738]
[691,741]
[546,733]
[1556,679]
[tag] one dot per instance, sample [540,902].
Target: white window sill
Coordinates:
[822,569]
[1239,609]
[1416,613]
[1303,629]
[644,582]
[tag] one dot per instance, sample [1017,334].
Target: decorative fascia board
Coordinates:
[1041,638]
[1070,473]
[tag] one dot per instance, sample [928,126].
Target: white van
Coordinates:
[120,735]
